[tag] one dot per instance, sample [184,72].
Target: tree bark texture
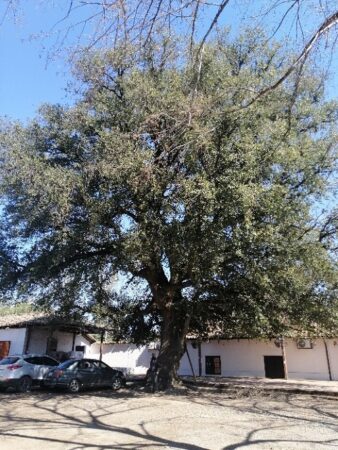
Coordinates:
[173,335]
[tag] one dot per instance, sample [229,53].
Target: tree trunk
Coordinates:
[174,329]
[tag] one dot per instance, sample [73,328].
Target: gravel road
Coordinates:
[136,420]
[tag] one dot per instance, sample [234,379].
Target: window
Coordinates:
[70,364]
[101,365]
[9,360]
[80,348]
[41,361]
[45,361]
[33,360]
[4,348]
[213,365]
[85,365]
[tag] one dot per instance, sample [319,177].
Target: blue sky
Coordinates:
[27,79]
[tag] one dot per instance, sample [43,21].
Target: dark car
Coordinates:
[77,374]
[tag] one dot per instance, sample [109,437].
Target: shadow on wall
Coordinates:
[144,357]
[132,359]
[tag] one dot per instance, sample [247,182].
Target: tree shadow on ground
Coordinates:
[296,409]
[250,440]
[50,406]
[306,409]
[50,415]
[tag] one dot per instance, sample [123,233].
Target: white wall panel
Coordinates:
[16,336]
[134,359]
[244,357]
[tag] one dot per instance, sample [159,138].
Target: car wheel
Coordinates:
[25,384]
[74,386]
[117,383]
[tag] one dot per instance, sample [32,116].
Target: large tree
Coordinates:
[211,209]
[308,25]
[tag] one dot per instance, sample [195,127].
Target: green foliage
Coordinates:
[17,309]
[167,177]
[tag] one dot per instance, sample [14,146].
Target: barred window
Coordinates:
[213,365]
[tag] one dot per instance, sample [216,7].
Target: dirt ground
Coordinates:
[135,420]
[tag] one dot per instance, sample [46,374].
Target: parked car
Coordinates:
[77,374]
[23,371]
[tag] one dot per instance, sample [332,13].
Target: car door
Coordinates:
[87,373]
[32,368]
[105,373]
[46,363]
[38,366]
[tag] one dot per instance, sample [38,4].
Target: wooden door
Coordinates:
[4,348]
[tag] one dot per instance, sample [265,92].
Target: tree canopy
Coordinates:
[308,25]
[209,208]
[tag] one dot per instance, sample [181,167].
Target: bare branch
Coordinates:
[324,28]
[212,24]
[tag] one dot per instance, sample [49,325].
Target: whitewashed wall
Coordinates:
[332,347]
[245,357]
[307,363]
[185,368]
[65,341]
[38,341]
[16,336]
[39,336]
[134,359]
[241,357]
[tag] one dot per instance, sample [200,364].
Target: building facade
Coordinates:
[304,358]
[315,359]
[41,334]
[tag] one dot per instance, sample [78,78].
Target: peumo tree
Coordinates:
[209,208]
[310,26]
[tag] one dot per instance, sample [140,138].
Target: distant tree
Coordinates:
[17,309]
[211,209]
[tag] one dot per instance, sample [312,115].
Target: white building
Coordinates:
[43,334]
[132,359]
[305,359]
[315,359]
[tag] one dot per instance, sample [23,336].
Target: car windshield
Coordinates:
[70,364]
[9,360]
